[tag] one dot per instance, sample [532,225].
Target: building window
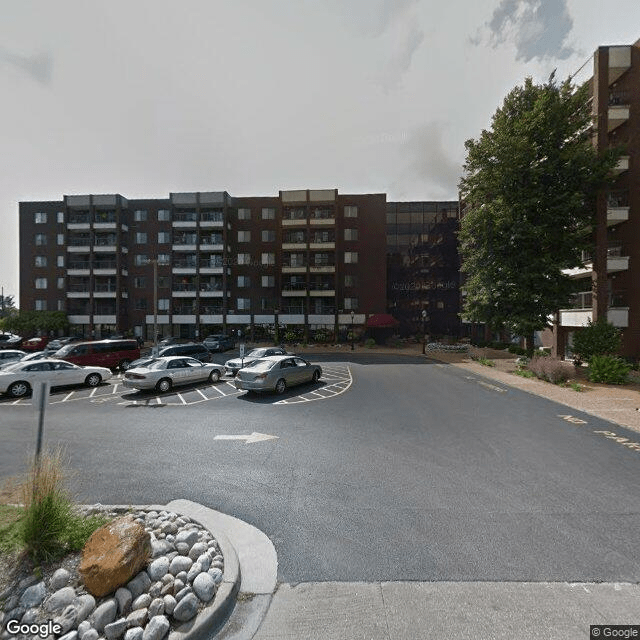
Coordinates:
[60,239]
[141,304]
[141,237]
[41,283]
[60,217]
[244,281]
[40,218]
[60,283]
[244,236]
[164,282]
[268,235]
[41,239]
[61,306]
[351,303]
[350,281]
[268,213]
[268,281]
[350,234]
[140,259]
[140,282]
[41,261]
[244,304]
[164,258]
[140,215]
[164,237]
[164,215]
[244,258]
[269,258]
[41,305]
[244,214]
[163,304]
[60,261]
[350,257]
[351,212]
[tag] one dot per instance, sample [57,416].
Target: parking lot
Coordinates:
[336,379]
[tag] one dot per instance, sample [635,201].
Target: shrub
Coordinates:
[550,369]
[370,343]
[608,369]
[600,338]
[50,526]
[485,361]
[516,349]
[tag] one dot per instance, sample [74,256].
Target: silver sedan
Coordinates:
[276,373]
[162,374]
[19,378]
[233,366]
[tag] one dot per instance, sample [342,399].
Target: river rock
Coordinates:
[204,587]
[104,614]
[33,596]
[186,608]
[59,579]
[156,629]
[60,599]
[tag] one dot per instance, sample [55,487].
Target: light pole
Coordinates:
[353,346]
[154,261]
[424,331]
[277,328]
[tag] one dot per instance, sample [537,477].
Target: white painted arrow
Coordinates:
[254,437]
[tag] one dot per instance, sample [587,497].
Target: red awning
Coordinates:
[381,321]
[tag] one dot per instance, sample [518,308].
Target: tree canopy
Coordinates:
[31,322]
[528,191]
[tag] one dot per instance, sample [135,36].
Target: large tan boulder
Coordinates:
[113,555]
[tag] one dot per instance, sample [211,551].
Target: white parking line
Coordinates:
[202,394]
[333,388]
[93,392]
[67,397]
[222,393]
[115,387]
[181,398]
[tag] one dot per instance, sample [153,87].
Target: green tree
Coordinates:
[32,322]
[7,305]
[529,189]
[599,338]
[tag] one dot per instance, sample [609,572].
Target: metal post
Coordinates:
[155,305]
[353,346]
[42,403]
[424,331]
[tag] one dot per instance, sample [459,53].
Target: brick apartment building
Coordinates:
[206,260]
[608,285]
[423,267]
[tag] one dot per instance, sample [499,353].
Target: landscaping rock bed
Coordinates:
[181,578]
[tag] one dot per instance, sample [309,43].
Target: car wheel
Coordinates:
[18,389]
[163,385]
[124,365]
[214,376]
[316,376]
[93,380]
[281,386]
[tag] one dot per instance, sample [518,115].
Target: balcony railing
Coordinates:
[294,238]
[105,216]
[78,241]
[294,214]
[185,216]
[105,287]
[210,309]
[211,286]
[211,264]
[212,216]
[79,265]
[618,199]
[78,288]
[105,264]
[79,218]
[105,242]
[295,286]
[215,239]
[182,286]
[322,214]
[186,239]
[619,97]
[185,264]
[294,263]
[292,309]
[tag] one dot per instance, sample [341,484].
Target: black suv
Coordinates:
[193,350]
[219,342]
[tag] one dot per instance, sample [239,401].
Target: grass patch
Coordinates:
[484,361]
[525,373]
[10,524]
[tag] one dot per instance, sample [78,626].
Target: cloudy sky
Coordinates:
[252,96]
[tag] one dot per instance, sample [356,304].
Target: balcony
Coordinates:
[185,219]
[615,262]
[619,61]
[617,316]
[616,117]
[622,166]
[211,219]
[617,207]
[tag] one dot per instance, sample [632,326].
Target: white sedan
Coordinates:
[16,380]
[163,373]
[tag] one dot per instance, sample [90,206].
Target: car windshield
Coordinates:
[256,353]
[63,351]
[262,365]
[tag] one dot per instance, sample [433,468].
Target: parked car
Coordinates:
[219,342]
[19,378]
[165,342]
[163,373]
[9,341]
[11,355]
[35,344]
[276,373]
[28,357]
[113,354]
[58,343]
[193,350]
[233,366]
